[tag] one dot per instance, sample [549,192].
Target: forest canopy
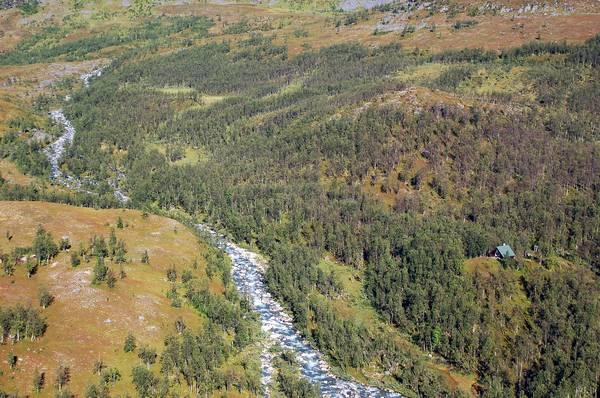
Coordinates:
[326,153]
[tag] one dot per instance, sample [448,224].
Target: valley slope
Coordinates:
[374,157]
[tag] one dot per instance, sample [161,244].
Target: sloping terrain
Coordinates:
[88,322]
[373,156]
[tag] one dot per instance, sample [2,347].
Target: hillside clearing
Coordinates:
[87,323]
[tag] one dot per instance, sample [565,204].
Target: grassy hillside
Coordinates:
[397,163]
[399,144]
[89,322]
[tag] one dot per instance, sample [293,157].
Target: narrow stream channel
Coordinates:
[247,274]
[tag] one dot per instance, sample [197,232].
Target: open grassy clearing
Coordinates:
[87,323]
[12,175]
[188,155]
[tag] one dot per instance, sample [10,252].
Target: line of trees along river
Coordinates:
[285,157]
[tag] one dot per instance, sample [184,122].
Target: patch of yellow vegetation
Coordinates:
[485,265]
[175,90]
[421,73]
[191,155]
[291,88]
[10,172]
[87,323]
[488,81]
[209,100]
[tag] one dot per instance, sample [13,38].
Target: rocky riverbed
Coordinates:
[247,274]
[56,150]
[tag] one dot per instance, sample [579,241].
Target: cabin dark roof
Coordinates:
[505,250]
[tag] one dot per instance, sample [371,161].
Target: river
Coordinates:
[247,274]
[57,149]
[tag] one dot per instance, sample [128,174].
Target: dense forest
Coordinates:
[327,153]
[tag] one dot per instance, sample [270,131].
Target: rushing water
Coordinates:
[247,273]
[56,150]
[87,77]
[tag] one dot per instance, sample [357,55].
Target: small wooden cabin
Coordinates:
[504,251]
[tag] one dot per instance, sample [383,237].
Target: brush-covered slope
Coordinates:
[87,320]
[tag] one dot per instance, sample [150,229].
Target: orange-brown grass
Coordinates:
[500,32]
[30,80]
[9,109]
[486,266]
[578,5]
[11,29]
[12,175]
[87,323]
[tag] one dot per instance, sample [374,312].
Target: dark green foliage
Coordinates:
[450,79]
[286,172]
[588,53]
[45,298]
[129,345]
[12,360]
[145,382]
[352,18]
[120,252]
[565,307]
[110,376]
[43,245]
[75,260]
[19,323]
[147,355]
[152,31]
[100,270]
[31,268]
[172,274]
[217,308]
[94,391]
[29,7]
[289,381]
[197,359]
[64,244]
[33,192]
[98,247]
[174,296]
[467,23]
[28,157]
[238,28]
[186,276]
[473,55]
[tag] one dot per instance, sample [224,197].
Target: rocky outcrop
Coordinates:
[6,4]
